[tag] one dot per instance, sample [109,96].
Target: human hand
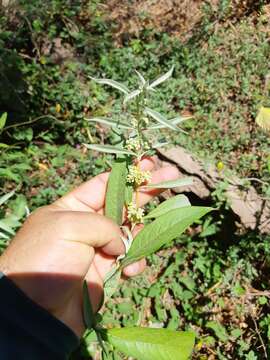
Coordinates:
[70,241]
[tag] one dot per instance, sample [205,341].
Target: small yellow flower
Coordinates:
[220,166]
[135,215]
[136,176]
[58,108]
[42,60]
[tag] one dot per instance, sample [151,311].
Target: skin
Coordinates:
[61,245]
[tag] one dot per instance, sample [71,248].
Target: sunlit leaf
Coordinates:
[170,184]
[161,119]
[152,344]
[174,202]
[109,122]
[3,119]
[115,194]
[263,118]
[108,149]
[5,227]
[175,121]
[159,145]
[111,284]
[5,197]
[162,231]
[112,83]
[161,79]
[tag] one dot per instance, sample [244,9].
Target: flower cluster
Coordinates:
[136,176]
[133,145]
[135,215]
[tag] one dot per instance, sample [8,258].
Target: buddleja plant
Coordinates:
[136,125]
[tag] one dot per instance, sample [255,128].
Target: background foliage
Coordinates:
[214,284]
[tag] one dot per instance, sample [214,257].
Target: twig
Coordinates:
[30,121]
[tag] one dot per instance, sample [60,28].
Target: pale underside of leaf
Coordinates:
[163,230]
[152,344]
[170,184]
[132,95]
[174,202]
[109,122]
[161,119]
[112,83]
[108,149]
[175,121]
[141,78]
[161,79]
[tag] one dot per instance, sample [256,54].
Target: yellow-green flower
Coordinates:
[136,176]
[135,215]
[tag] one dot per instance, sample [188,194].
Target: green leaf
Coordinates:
[109,122]
[115,195]
[152,344]
[5,197]
[111,284]
[6,227]
[108,149]
[3,120]
[219,330]
[163,230]
[161,119]
[141,78]
[174,121]
[174,202]
[161,79]
[88,313]
[112,83]
[170,184]
[132,95]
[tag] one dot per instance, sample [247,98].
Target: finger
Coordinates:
[163,174]
[103,263]
[135,269]
[88,228]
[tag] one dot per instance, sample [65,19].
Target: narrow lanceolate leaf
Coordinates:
[3,119]
[88,313]
[5,197]
[152,344]
[132,95]
[174,121]
[141,78]
[263,118]
[108,149]
[170,184]
[159,145]
[6,227]
[112,284]
[163,230]
[115,195]
[173,203]
[161,119]
[161,79]
[112,83]
[109,122]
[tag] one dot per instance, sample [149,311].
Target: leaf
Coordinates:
[88,313]
[6,227]
[152,344]
[132,95]
[163,230]
[161,119]
[219,330]
[161,79]
[108,149]
[141,78]
[3,120]
[111,284]
[112,83]
[170,184]
[109,122]
[5,197]
[115,194]
[159,145]
[174,121]
[174,202]
[263,118]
